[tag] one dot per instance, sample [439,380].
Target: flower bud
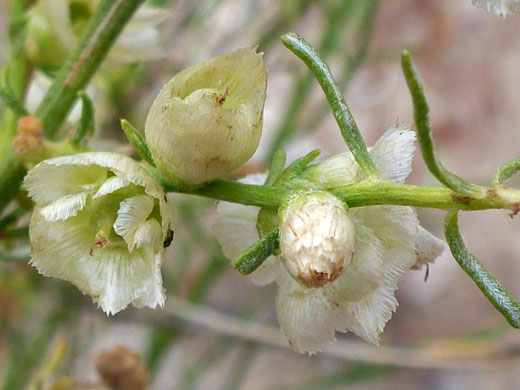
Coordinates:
[101,222]
[207,120]
[317,238]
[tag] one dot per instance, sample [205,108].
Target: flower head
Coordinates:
[316,238]
[207,120]
[499,7]
[99,222]
[372,252]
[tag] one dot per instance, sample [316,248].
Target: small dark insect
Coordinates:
[169,238]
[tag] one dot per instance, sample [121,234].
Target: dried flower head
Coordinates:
[361,297]
[207,120]
[100,221]
[122,369]
[316,238]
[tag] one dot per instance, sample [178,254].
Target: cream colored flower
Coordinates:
[207,120]
[55,26]
[499,7]
[100,222]
[361,298]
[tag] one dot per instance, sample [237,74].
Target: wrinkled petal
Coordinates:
[338,170]
[305,316]
[427,247]
[110,185]
[65,207]
[235,230]
[147,233]
[393,153]
[131,214]
[48,182]
[396,227]
[366,273]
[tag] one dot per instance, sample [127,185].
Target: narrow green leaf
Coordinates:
[256,254]
[8,95]
[277,164]
[349,129]
[86,124]
[486,282]
[338,18]
[137,141]
[422,123]
[506,171]
[297,167]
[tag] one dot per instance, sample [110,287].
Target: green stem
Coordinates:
[340,109]
[106,25]
[365,193]
[493,290]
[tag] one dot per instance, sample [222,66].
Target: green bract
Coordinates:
[100,222]
[207,120]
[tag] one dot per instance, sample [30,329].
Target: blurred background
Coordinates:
[218,330]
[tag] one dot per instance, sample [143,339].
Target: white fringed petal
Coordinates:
[427,247]
[365,274]
[393,153]
[235,230]
[338,170]
[110,185]
[498,7]
[305,316]
[65,207]
[48,182]
[396,227]
[131,214]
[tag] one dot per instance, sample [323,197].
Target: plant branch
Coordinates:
[109,20]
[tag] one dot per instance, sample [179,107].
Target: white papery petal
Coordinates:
[126,278]
[132,212]
[305,315]
[235,230]
[111,276]
[147,233]
[393,153]
[110,185]
[340,169]
[48,182]
[65,207]
[396,227]
[498,7]
[427,247]
[366,273]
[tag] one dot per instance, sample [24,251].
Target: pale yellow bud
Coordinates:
[317,238]
[207,120]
